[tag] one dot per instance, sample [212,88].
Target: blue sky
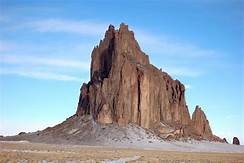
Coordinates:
[45,49]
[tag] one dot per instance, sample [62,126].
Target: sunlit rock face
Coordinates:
[125,88]
[200,123]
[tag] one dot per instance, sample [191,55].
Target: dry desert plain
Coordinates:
[23,151]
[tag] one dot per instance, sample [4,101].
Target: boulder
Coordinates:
[236,141]
[22,133]
[224,139]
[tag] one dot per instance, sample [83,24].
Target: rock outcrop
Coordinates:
[200,123]
[125,88]
[236,141]
[225,141]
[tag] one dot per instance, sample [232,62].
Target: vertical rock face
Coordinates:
[83,104]
[124,87]
[200,123]
[236,141]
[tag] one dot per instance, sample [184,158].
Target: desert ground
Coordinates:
[23,151]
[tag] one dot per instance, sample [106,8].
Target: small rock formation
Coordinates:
[200,123]
[224,139]
[22,133]
[236,141]
[125,88]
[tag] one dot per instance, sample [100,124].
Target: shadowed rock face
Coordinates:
[124,87]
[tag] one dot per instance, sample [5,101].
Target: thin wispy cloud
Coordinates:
[42,68]
[37,61]
[5,46]
[231,116]
[171,49]
[88,28]
[160,44]
[38,74]
[188,86]
[3,18]
[176,54]
[179,71]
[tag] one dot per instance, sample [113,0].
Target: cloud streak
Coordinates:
[182,71]
[178,51]
[175,48]
[5,46]
[178,56]
[38,74]
[41,68]
[88,28]
[36,61]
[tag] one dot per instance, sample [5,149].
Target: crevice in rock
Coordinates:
[139,96]
[120,84]
[114,109]
[106,58]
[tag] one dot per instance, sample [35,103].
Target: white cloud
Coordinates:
[36,61]
[3,18]
[69,26]
[182,71]
[5,46]
[178,56]
[173,50]
[38,74]
[41,68]
[231,117]
[163,45]
[188,86]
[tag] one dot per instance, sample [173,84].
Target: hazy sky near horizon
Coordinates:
[45,49]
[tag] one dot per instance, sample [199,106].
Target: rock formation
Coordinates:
[200,123]
[236,141]
[125,88]
[224,139]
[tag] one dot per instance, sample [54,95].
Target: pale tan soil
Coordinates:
[36,152]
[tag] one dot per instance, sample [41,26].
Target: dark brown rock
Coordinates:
[83,107]
[236,141]
[224,139]
[22,133]
[124,87]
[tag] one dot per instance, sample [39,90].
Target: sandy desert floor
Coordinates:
[38,152]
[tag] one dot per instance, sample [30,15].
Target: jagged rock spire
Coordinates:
[200,123]
[123,80]
[124,87]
